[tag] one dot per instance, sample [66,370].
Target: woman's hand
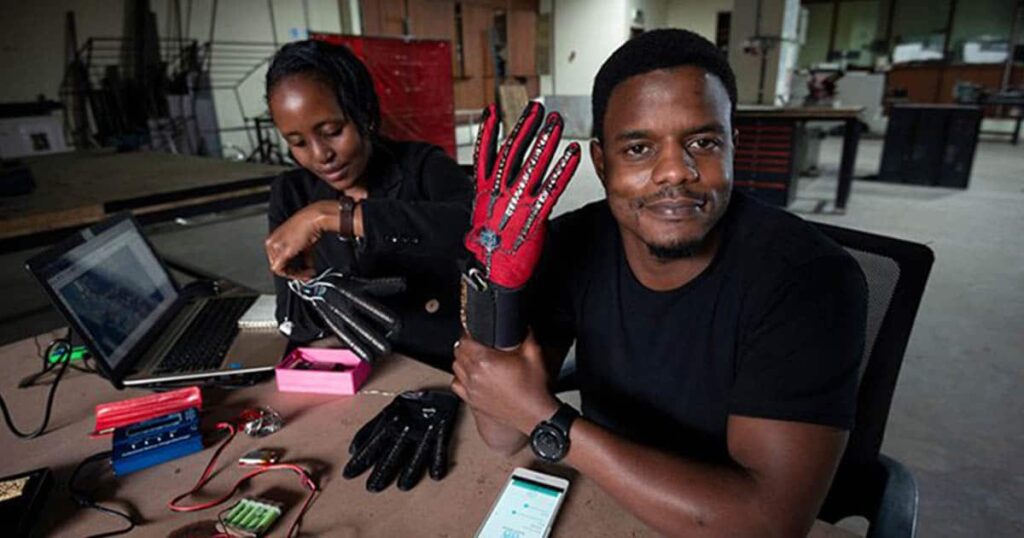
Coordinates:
[296,236]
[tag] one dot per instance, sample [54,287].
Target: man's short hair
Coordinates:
[650,51]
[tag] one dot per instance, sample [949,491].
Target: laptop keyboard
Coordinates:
[206,340]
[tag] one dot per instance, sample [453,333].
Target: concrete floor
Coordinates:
[958,414]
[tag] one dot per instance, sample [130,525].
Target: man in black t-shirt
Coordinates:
[718,340]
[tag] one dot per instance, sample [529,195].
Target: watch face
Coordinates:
[547,443]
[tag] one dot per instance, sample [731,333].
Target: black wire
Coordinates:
[83,499]
[64,360]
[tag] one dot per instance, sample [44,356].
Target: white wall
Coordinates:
[595,28]
[586,33]
[32,52]
[700,16]
[655,13]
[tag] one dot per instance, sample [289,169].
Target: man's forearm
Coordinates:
[674,495]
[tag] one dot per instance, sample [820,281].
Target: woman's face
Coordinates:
[321,138]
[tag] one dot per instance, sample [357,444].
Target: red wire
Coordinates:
[206,476]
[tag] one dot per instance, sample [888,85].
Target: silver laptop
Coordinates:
[142,329]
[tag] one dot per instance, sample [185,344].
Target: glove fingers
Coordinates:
[559,178]
[369,454]
[413,472]
[485,150]
[528,183]
[387,466]
[553,129]
[365,433]
[372,309]
[551,189]
[515,145]
[448,406]
[439,455]
[368,431]
[366,339]
[352,330]
[337,325]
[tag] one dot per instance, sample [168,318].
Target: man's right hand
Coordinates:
[289,247]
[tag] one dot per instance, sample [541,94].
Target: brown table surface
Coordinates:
[317,432]
[80,188]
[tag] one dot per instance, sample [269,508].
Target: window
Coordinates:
[856,28]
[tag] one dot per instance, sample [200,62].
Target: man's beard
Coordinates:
[680,249]
[676,251]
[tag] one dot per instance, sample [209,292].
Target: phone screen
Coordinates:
[523,511]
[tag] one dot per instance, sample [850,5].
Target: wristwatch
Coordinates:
[346,217]
[550,439]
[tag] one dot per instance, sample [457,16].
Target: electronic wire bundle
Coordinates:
[231,430]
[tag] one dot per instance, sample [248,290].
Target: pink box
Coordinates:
[308,369]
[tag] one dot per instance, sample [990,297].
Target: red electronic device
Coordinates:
[116,414]
[413,80]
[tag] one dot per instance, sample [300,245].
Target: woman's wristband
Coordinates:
[346,217]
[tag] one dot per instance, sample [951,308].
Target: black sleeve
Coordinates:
[285,200]
[549,300]
[433,226]
[799,358]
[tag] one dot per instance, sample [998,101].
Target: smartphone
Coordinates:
[526,507]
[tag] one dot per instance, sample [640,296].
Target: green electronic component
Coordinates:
[251,517]
[78,353]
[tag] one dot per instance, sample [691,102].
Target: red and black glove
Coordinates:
[510,213]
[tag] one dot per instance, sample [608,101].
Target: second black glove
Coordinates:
[408,436]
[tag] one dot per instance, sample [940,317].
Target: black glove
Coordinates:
[344,303]
[408,435]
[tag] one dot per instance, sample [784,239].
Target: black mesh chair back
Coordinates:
[869,484]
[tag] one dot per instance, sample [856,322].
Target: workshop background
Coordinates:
[157,107]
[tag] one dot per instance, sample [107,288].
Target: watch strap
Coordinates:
[564,417]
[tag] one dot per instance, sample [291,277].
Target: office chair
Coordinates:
[868,483]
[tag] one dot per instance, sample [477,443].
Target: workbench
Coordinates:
[77,189]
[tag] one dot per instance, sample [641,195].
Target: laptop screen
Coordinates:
[115,288]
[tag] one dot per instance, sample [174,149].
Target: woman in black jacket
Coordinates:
[361,203]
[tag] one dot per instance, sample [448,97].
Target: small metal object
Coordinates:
[476,278]
[261,421]
[260,456]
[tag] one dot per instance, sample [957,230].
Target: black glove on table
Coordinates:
[344,303]
[410,435]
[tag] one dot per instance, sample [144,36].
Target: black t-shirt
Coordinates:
[773,328]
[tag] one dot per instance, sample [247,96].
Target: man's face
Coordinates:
[666,158]
[320,137]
